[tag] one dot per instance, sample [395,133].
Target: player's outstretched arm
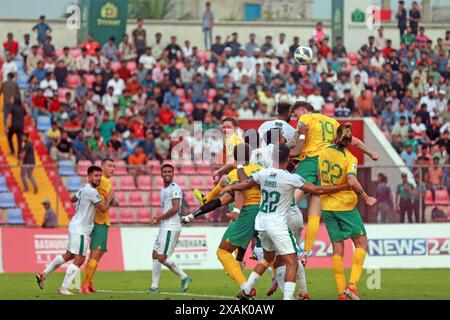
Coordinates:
[358,144]
[223,170]
[300,140]
[247,184]
[321,190]
[354,183]
[224,199]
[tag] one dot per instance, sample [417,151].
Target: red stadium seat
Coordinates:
[82,167]
[115,183]
[158,183]
[115,65]
[120,197]
[188,169]
[120,168]
[135,199]
[181,181]
[127,183]
[90,79]
[155,198]
[75,53]
[73,80]
[127,215]
[204,170]
[158,211]
[181,93]
[441,197]
[144,215]
[144,183]
[303,69]
[131,66]
[113,215]
[179,65]
[197,182]
[188,107]
[428,198]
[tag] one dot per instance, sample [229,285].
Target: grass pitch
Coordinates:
[395,284]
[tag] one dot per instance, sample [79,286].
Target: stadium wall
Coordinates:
[356,34]
[390,246]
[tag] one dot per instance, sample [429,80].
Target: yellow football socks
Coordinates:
[214,193]
[231,266]
[338,271]
[91,266]
[357,265]
[311,231]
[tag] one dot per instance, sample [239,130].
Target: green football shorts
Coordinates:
[241,231]
[308,169]
[99,237]
[342,225]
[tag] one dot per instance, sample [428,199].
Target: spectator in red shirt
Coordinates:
[166,113]
[137,126]
[123,72]
[386,51]
[54,105]
[10,45]
[133,84]
[90,45]
[73,126]
[324,48]
[39,104]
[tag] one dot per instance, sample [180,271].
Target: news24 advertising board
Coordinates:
[390,246]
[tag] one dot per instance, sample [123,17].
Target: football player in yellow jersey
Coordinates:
[320,133]
[99,236]
[231,139]
[342,219]
[241,230]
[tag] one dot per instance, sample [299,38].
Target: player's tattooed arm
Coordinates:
[247,184]
[73,198]
[321,190]
[356,186]
[302,130]
[358,144]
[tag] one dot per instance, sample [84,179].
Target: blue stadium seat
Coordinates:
[7,200]
[15,216]
[3,186]
[74,183]
[44,123]
[66,168]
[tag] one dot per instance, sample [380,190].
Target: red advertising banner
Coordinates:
[322,252]
[30,250]
[357,126]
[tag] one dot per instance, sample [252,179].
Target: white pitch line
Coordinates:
[171,293]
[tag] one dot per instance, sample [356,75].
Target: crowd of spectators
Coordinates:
[124,98]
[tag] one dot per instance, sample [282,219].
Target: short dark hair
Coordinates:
[303,104]
[284,107]
[93,169]
[281,153]
[167,165]
[107,159]
[232,120]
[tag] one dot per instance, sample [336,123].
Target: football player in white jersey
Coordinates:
[277,190]
[263,157]
[169,231]
[80,228]
[284,116]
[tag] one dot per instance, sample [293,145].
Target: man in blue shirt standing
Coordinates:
[42,29]
[208,23]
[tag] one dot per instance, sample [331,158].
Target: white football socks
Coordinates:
[289,289]
[175,269]
[279,275]
[55,264]
[71,273]
[156,273]
[301,278]
[251,282]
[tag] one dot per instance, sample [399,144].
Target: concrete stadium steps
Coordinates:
[49,177]
[12,175]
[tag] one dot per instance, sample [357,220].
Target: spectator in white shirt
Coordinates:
[322,65]
[341,85]
[262,112]
[206,70]
[359,70]
[316,100]
[377,62]
[187,74]
[187,49]
[245,112]
[109,99]
[283,95]
[419,129]
[430,101]
[117,83]
[256,59]
[380,40]
[282,47]
[147,60]
[254,73]
[49,85]
[9,66]
[357,86]
[242,56]
[441,103]
[238,72]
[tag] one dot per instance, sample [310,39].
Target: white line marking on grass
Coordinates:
[170,293]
